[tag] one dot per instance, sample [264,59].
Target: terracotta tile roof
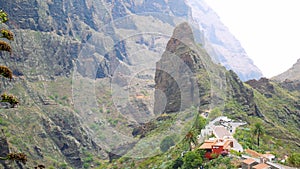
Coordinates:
[218,142]
[227,144]
[261,166]
[249,161]
[253,153]
[207,145]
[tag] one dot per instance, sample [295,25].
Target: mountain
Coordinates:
[87,75]
[188,82]
[292,74]
[112,18]
[221,45]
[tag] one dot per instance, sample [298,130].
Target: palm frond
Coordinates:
[5,47]
[6,72]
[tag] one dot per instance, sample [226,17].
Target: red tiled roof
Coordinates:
[261,166]
[207,144]
[249,161]
[253,153]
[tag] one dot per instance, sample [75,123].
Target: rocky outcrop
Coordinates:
[185,76]
[55,37]
[291,85]
[176,85]
[240,94]
[263,85]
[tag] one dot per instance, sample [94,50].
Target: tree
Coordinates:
[192,160]
[200,122]
[191,138]
[177,163]
[258,130]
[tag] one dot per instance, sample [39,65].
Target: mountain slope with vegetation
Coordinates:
[261,102]
[69,82]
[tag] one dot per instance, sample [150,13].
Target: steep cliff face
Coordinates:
[175,73]
[221,44]
[58,41]
[81,19]
[52,16]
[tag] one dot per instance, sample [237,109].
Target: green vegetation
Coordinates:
[4,46]
[294,160]
[192,160]
[191,138]
[258,130]
[220,163]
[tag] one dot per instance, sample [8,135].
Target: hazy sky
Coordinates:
[269,30]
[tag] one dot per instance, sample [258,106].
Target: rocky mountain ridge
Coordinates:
[68,19]
[221,45]
[292,74]
[66,63]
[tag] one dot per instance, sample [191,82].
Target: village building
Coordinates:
[216,147]
[249,163]
[262,166]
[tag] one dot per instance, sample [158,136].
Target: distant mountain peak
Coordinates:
[292,74]
[221,45]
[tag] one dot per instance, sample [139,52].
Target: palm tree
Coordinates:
[258,130]
[5,46]
[191,137]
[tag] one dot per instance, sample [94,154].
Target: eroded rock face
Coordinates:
[241,94]
[291,85]
[263,85]
[80,19]
[67,132]
[220,44]
[175,81]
